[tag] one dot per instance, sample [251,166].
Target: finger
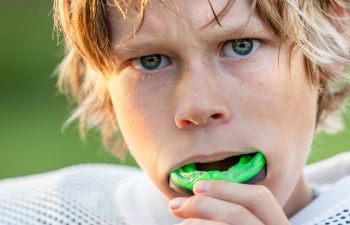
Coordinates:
[195,221]
[209,208]
[256,198]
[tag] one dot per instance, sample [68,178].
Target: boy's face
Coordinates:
[185,92]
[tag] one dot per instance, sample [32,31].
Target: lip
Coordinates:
[217,156]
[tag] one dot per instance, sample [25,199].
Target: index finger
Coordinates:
[256,198]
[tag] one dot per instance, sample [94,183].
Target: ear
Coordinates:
[336,6]
[332,72]
[337,68]
[339,8]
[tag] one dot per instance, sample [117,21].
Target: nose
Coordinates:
[201,100]
[201,115]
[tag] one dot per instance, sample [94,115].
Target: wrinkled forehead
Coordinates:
[130,16]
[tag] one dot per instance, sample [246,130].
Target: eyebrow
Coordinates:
[253,25]
[146,41]
[127,48]
[252,22]
[221,14]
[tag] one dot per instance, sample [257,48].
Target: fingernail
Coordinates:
[176,203]
[201,186]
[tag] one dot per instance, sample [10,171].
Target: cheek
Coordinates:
[279,104]
[139,119]
[284,116]
[129,113]
[275,95]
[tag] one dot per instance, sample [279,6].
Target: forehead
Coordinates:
[162,16]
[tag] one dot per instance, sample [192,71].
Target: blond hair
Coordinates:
[319,28]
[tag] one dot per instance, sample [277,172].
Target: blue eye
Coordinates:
[240,48]
[151,62]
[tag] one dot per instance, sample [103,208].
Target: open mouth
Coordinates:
[248,168]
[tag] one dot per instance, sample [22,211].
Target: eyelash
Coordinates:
[256,44]
[163,62]
[144,74]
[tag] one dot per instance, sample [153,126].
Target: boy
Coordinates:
[202,82]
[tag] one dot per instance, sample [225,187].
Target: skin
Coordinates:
[205,105]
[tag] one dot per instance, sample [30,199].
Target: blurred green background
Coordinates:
[32,112]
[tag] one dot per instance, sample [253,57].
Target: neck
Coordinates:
[301,197]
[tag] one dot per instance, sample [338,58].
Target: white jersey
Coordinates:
[331,179]
[102,194]
[88,194]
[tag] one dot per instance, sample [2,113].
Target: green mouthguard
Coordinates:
[247,167]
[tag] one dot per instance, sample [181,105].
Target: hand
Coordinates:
[225,203]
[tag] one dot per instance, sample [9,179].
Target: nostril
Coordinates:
[184,123]
[216,116]
[200,119]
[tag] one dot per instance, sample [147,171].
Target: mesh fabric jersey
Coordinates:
[102,194]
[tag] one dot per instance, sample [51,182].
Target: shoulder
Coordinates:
[331,179]
[328,171]
[331,207]
[85,169]
[72,195]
